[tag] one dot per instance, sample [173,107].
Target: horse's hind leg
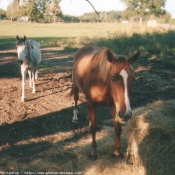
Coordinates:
[30,78]
[75,91]
[36,75]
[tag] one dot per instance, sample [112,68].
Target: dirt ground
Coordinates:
[29,129]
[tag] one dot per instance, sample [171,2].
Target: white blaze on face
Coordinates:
[21,52]
[124,75]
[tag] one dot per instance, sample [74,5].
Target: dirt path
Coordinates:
[28,129]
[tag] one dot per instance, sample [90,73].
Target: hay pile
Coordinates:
[151,139]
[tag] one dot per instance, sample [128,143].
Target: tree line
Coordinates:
[50,11]
[34,9]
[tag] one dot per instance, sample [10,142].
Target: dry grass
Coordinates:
[64,30]
[150,135]
[73,157]
[151,139]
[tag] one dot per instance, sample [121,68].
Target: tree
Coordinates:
[54,9]
[145,7]
[42,5]
[32,10]
[2,14]
[12,9]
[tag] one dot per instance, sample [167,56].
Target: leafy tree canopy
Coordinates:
[145,7]
[2,14]
[34,9]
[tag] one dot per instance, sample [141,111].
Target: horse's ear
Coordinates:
[110,56]
[24,38]
[134,58]
[17,37]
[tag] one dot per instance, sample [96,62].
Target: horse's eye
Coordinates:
[113,78]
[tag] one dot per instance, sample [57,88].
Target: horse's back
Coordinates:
[87,51]
[36,52]
[36,44]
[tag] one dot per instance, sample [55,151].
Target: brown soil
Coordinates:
[29,129]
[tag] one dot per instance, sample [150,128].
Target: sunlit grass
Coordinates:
[11,29]
[120,38]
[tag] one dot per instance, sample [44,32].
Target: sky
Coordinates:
[79,7]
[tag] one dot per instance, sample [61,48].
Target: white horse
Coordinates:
[29,56]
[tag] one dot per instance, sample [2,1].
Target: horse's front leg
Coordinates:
[91,114]
[33,80]
[117,130]
[23,73]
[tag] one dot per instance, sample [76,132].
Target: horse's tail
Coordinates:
[71,93]
[74,91]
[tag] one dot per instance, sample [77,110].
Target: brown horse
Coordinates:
[104,78]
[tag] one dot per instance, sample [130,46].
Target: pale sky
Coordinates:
[79,7]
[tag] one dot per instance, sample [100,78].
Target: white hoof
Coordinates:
[74,121]
[75,118]
[22,99]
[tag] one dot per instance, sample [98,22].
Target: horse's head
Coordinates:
[121,78]
[21,48]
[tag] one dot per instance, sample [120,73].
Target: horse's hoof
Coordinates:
[118,157]
[74,121]
[116,152]
[33,92]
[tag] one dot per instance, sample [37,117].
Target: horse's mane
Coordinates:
[29,44]
[29,47]
[101,66]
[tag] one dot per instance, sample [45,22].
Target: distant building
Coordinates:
[23,19]
[173,16]
[125,22]
[152,23]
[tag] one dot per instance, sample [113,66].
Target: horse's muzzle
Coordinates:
[20,61]
[124,117]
